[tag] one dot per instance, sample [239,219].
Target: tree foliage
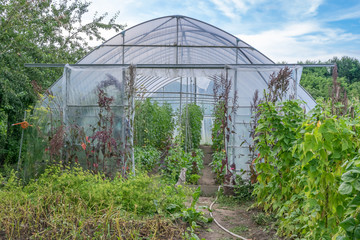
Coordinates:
[318,81]
[44,31]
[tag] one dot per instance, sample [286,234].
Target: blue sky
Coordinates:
[283,30]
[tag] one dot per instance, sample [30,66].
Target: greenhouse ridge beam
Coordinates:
[173,46]
[182,66]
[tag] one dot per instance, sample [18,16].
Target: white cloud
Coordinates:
[235,8]
[300,41]
[291,9]
[284,30]
[314,5]
[225,7]
[352,13]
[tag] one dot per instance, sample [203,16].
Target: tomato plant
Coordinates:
[154,124]
[191,124]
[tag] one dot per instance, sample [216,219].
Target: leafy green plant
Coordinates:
[147,158]
[217,135]
[262,218]
[178,159]
[243,189]
[74,203]
[193,179]
[300,166]
[350,187]
[192,215]
[191,124]
[216,165]
[154,124]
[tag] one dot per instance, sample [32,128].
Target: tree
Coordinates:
[43,31]
[348,67]
[318,81]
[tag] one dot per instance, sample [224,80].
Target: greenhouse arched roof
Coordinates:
[175,40]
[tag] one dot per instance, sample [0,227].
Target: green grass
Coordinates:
[263,219]
[239,229]
[231,202]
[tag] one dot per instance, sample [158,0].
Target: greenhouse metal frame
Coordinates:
[175,58]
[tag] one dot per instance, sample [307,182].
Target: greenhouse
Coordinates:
[172,59]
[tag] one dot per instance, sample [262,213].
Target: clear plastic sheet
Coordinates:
[168,42]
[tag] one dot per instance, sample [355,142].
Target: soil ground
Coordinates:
[236,217]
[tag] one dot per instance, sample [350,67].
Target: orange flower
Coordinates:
[87,139]
[83,145]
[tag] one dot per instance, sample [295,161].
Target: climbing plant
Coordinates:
[191,124]
[153,124]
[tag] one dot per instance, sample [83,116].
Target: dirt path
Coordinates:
[208,177]
[235,217]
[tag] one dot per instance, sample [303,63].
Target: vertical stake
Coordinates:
[21,143]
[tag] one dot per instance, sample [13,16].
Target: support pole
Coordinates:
[180,107]
[21,143]
[195,89]
[132,130]
[296,83]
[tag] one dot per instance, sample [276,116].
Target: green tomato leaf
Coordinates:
[345,188]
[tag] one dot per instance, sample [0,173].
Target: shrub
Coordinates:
[243,189]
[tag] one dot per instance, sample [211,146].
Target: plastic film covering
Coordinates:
[175,40]
[80,98]
[181,87]
[169,41]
